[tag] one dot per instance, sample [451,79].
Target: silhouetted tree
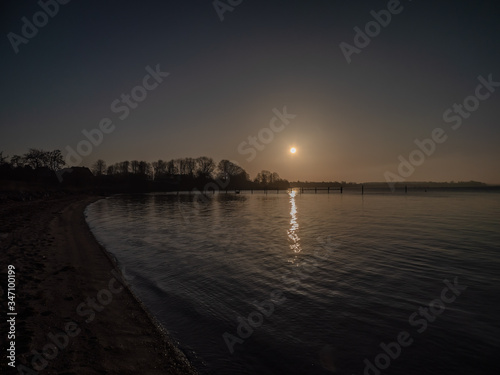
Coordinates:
[36,158]
[144,169]
[172,168]
[190,164]
[271,180]
[275,177]
[226,169]
[40,166]
[111,170]
[159,169]
[99,167]
[124,167]
[55,160]
[186,166]
[134,167]
[231,173]
[205,166]
[264,177]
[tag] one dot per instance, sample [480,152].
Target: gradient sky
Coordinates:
[226,77]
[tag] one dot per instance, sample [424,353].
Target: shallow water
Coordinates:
[336,276]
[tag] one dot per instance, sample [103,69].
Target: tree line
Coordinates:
[36,158]
[175,174]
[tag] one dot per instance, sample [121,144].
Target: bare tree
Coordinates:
[111,170]
[144,168]
[227,169]
[264,177]
[183,166]
[275,177]
[267,178]
[159,168]
[172,167]
[134,166]
[190,164]
[55,160]
[124,167]
[99,167]
[205,166]
[36,158]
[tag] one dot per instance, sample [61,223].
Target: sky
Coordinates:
[248,81]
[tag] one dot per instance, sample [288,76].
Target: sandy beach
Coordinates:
[74,314]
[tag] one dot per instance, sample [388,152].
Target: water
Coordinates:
[337,276]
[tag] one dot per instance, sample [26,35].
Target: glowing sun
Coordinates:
[293,150]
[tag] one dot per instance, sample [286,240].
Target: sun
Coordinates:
[293,150]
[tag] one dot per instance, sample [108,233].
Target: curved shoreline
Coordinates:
[169,341]
[67,279]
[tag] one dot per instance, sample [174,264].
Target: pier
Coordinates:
[302,190]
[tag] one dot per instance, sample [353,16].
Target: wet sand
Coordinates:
[74,315]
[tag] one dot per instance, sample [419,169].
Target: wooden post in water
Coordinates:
[340,189]
[362,189]
[328,189]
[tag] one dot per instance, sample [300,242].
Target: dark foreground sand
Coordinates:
[59,266]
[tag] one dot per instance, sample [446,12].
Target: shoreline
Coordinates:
[75,311]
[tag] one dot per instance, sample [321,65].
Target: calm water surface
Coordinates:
[295,283]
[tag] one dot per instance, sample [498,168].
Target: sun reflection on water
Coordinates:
[294,225]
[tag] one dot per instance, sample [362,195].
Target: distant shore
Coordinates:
[74,312]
